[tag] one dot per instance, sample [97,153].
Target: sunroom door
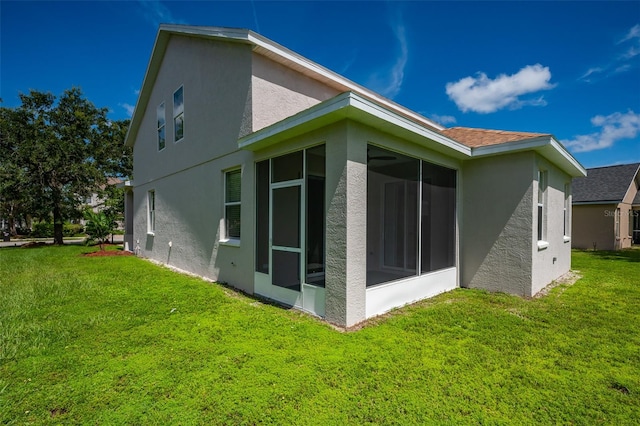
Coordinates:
[286,235]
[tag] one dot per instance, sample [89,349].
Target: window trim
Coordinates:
[178,112]
[542,209]
[161,127]
[151,212]
[226,239]
[567,212]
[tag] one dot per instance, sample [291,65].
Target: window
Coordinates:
[617,223]
[151,209]
[232,185]
[567,210]
[542,193]
[411,216]
[161,126]
[262,216]
[178,114]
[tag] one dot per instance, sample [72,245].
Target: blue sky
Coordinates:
[567,68]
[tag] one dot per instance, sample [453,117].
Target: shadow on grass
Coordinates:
[629,255]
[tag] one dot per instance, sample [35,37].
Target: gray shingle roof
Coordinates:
[604,183]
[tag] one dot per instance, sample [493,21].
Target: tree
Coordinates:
[53,155]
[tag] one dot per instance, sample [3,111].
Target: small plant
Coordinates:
[98,227]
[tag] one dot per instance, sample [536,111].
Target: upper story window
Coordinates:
[232,187]
[178,114]
[542,195]
[161,126]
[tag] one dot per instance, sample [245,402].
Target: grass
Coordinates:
[118,340]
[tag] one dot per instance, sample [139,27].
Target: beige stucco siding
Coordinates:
[189,208]
[553,259]
[496,236]
[593,225]
[279,92]
[187,176]
[216,77]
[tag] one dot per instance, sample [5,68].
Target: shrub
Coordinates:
[42,230]
[99,226]
[72,229]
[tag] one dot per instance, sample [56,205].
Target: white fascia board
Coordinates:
[285,128]
[545,145]
[353,106]
[390,116]
[238,34]
[326,73]
[632,184]
[256,40]
[592,203]
[157,54]
[127,184]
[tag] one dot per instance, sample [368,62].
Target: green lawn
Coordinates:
[119,340]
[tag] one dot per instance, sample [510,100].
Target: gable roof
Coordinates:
[355,107]
[263,46]
[356,102]
[605,184]
[474,138]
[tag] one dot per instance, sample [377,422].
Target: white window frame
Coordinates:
[178,112]
[567,212]
[151,212]
[161,124]
[231,240]
[541,210]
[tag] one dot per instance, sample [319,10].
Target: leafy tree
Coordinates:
[53,155]
[98,227]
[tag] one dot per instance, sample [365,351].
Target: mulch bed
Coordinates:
[102,253]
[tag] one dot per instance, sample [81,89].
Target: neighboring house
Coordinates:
[257,167]
[96,203]
[606,208]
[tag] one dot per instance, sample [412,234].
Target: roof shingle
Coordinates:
[604,183]
[474,138]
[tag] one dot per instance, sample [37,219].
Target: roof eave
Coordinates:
[358,108]
[284,56]
[595,202]
[547,146]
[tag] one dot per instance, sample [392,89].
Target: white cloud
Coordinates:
[631,52]
[634,33]
[255,15]
[388,83]
[614,127]
[484,95]
[157,13]
[128,107]
[619,63]
[591,71]
[443,119]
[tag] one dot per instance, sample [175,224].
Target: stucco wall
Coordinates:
[346,188]
[553,260]
[279,92]
[187,176]
[216,77]
[189,211]
[496,235]
[593,223]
